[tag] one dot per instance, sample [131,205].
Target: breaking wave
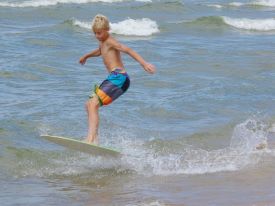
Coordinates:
[260,25]
[265,3]
[251,24]
[257,3]
[128,27]
[155,157]
[242,152]
[44,3]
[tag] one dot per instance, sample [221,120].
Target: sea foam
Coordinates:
[43,3]
[265,3]
[128,27]
[241,152]
[162,158]
[138,27]
[251,24]
[236,4]
[217,6]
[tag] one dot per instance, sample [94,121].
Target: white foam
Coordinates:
[42,3]
[147,159]
[248,135]
[251,24]
[272,128]
[85,25]
[135,27]
[267,3]
[144,0]
[217,6]
[236,4]
[154,203]
[128,27]
[241,153]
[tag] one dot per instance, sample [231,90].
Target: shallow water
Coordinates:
[188,133]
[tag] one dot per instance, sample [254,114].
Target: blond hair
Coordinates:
[100,22]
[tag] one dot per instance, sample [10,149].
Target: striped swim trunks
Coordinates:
[114,86]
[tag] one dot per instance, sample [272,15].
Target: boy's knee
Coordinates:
[92,103]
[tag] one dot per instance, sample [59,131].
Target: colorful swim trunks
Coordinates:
[114,86]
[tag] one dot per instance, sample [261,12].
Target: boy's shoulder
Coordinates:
[111,41]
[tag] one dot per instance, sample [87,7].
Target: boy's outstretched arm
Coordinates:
[94,53]
[147,66]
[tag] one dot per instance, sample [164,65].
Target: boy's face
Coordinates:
[101,34]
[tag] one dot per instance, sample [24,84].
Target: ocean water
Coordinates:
[189,134]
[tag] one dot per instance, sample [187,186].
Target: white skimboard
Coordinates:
[82,146]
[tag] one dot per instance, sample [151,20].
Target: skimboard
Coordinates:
[82,146]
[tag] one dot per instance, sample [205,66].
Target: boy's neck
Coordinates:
[107,36]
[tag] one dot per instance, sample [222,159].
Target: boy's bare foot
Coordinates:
[90,141]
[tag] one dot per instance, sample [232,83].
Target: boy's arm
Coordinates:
[93,53]
[147,66]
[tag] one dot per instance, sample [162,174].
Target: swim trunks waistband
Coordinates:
[118,70]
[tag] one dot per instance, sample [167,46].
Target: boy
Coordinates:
[118,80]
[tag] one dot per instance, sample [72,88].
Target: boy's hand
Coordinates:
[150,68]
[82,60]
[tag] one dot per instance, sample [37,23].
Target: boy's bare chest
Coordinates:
[107,50]
[104,49]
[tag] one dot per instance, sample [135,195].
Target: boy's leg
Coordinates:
[109,90]
[92,107]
